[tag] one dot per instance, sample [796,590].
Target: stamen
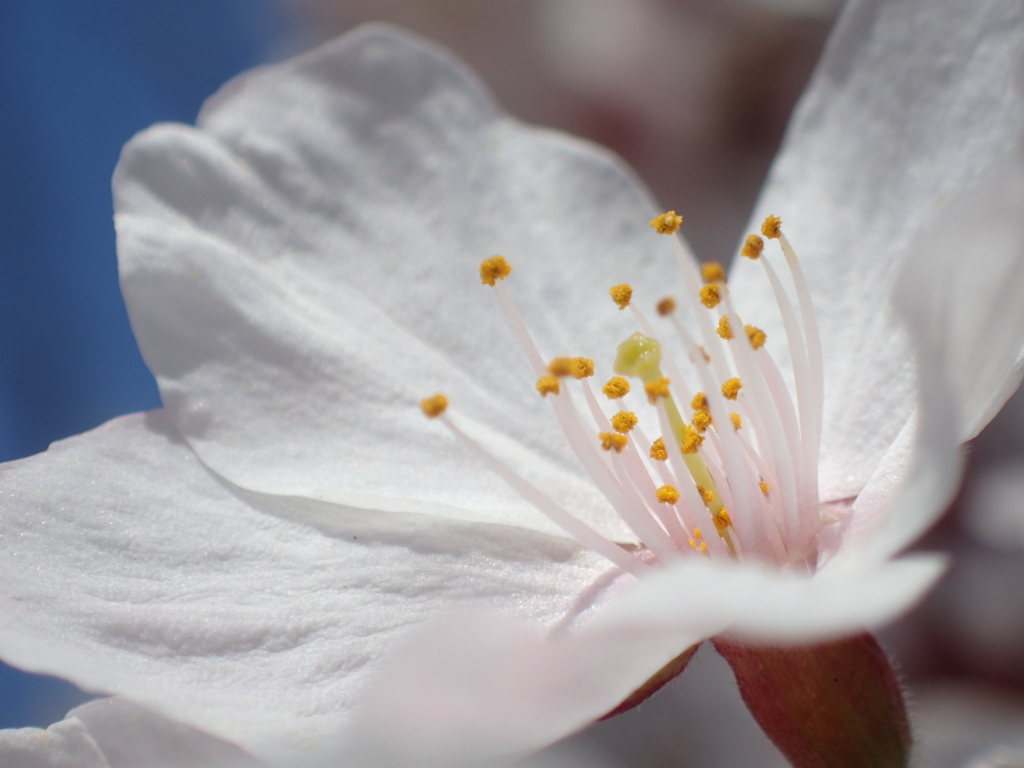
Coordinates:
[434,406]
[700,402]
[709,295]
[712,272]
[705,495]
[493,269]
[610,440]
[731,388]
[772,227]
[615,388]
[582,367]
[548,385]
[721,520]
[701,420]
[696,533]
[692,440]
[724,329]
[667,223]
[666,306]
[656,389]
[658,452]
[667,494]
[621,294]
[756,335]
[623,421]
[753,247]
[561,366]
[737,422]
[764,487]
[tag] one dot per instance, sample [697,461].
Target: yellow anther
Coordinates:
[704,354]
[756,335]
[701,420]
[615,388]
[611,440]
[721,520]
[434,406]
[666,306]
[667,223]
[737,422]
[696,533]
[621,294]
[692,543]
[764,487]
[582,367]
[699,402]
[692,440]
[731,389]
[561,366]
[705,495]
[623,421]
[753,246]
[710,296]
[667,494]
[772,227]
[712,272]
[656,389]
[724,330]
[703,548]
[494,268]
[547,385]
[658,452]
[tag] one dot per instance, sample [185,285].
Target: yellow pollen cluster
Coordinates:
[753,247]
[547,385]
[623,421]
[492,269]
[561,366]
[772,227]
[712,272]
[764,487]
[658,452]
[699,402]
[615,388]
[701,420]
[667,494]
[666,306]
[656,389]
[611,440]
[621,294]
[724,330]
[667,223]
[710,296]
[582,367]
[434,406]
[721,520]
[692,440]
[697,534]
[731,389]
[705,495]
[737,422]
[756,335]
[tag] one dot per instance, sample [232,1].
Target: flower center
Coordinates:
[742,462]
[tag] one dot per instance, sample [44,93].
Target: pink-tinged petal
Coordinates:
[959,292]
[500,689]
[910,103]
[302,268]
[130,568]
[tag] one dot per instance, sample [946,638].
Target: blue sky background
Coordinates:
[77,79]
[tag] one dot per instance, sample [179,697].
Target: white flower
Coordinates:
[301,267]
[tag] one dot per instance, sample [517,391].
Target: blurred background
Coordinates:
[695,94]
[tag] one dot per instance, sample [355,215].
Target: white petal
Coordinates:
[302,268]
[499,689]
[911,102]
[129,568]
[63,745]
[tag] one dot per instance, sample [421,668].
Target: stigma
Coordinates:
[713,440]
